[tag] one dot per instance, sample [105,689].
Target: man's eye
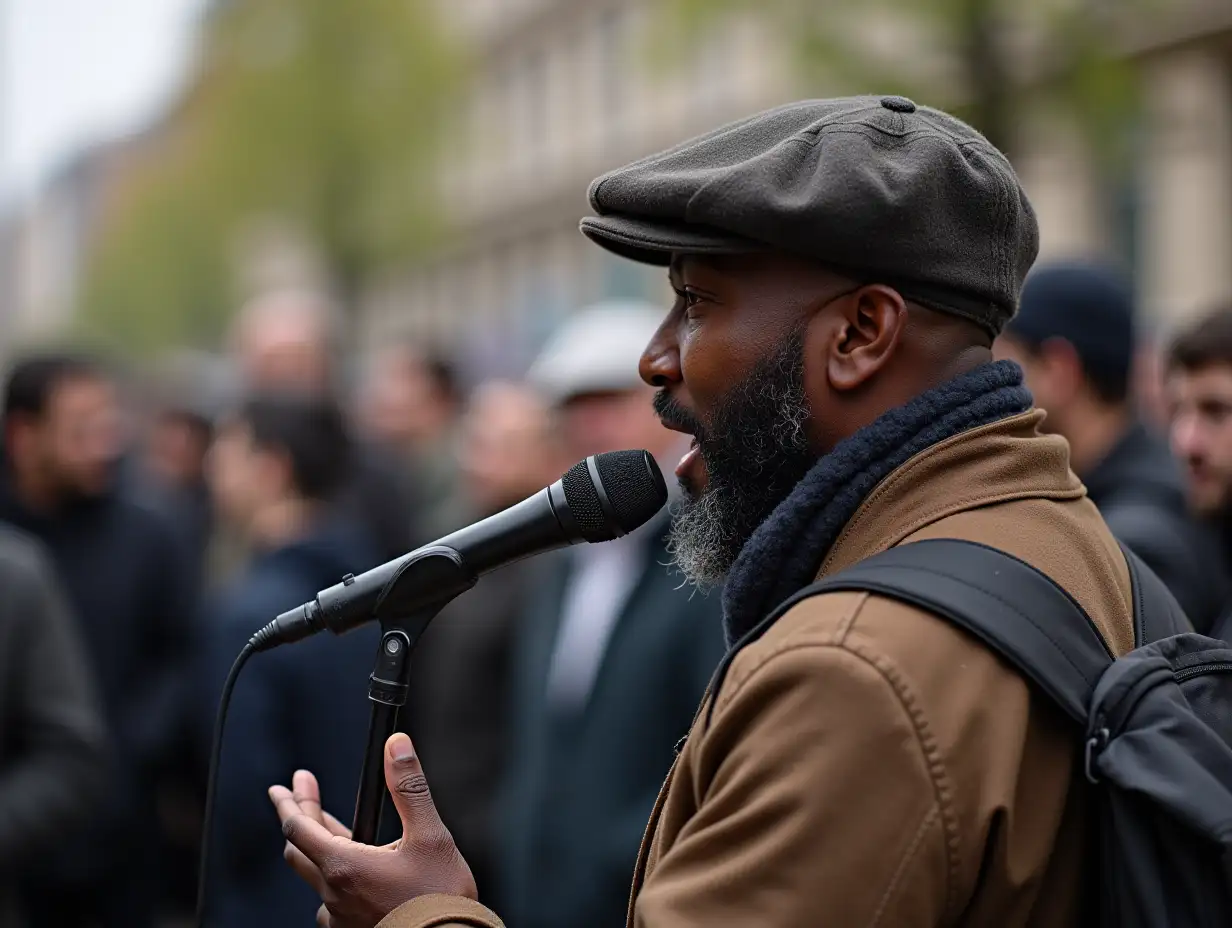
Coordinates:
[1215,411]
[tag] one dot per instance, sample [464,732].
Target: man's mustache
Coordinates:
[671,412]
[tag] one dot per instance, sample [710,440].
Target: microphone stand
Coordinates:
[440,568]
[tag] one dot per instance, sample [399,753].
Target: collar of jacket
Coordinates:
[831,503]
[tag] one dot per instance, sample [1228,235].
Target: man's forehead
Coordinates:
[682,261]
[1206,379]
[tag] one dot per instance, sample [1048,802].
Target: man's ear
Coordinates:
[870,322]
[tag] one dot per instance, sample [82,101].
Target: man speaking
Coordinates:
[841,269]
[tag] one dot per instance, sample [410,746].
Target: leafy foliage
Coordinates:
[978,58]
[323,113]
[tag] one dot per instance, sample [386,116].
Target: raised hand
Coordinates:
[358,884]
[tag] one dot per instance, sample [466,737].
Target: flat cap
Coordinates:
[875,187]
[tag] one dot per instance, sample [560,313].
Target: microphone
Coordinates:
[598,499]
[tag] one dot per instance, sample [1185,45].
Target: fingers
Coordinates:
[307,871]
[323,919]
[335,827]
[307,793]
[301,830]
[404,776]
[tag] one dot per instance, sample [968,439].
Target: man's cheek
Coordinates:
[709,370]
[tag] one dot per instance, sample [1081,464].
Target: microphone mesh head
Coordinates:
[634,487]
[583,500]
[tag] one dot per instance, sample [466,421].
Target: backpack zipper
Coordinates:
[1199,669]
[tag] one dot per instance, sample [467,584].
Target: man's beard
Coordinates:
[755,450]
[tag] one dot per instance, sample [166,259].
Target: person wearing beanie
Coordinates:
[841,268]
[1074,337]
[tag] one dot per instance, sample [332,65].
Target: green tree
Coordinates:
[979,58]
[325,114]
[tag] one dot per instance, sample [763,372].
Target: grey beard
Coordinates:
[699,543]
[755,453]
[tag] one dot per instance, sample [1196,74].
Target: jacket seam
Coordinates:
[938,777]
[840,633]
[901,870]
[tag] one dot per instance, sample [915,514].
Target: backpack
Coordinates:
[1155,724]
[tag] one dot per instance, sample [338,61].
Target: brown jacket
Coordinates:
[867,763]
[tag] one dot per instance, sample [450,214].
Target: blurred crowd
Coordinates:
[150,525]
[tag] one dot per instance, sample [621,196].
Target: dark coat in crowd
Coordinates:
[582,784]
[125,577]
[1140,492]
[458,711]
[301,706]
[380,495]
[53,747]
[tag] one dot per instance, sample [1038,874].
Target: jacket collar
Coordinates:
[783,553]
[1005,460]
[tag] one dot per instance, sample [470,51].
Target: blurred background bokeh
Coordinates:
[243,242]
[425,163]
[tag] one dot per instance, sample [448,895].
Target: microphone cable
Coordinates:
[211,787]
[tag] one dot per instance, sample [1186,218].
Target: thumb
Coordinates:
[421,823]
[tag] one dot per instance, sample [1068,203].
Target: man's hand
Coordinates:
[359,884]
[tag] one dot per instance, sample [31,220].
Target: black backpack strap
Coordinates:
[1015,610]
[1157,614]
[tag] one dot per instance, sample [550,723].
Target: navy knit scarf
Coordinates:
[785,552]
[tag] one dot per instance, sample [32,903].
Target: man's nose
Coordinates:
[660,362]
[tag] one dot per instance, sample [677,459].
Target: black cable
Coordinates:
[212,783]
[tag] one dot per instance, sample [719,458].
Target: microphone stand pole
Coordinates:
[390,679]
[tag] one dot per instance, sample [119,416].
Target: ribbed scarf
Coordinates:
[785,552]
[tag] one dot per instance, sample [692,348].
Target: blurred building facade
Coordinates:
[566,89]
[562,90]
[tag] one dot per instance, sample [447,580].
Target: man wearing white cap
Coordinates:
[613,657]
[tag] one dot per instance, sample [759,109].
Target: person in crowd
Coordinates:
[410,403]
[611,656]
[841,269]
[1198,386]
[1150,361]
[54,750]
[1074,337]
[274,470]
[178,425]
[459,712]
[284,340]
[127,582]
[176,442]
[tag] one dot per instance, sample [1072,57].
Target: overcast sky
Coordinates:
[73,71]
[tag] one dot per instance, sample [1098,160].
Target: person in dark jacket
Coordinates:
[275,469]
[459,707]
[53,741]
[611,657]
[1074,337]
[1198,387]
[284,341]
[125,579]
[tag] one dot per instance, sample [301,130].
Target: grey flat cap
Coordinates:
[876,187]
